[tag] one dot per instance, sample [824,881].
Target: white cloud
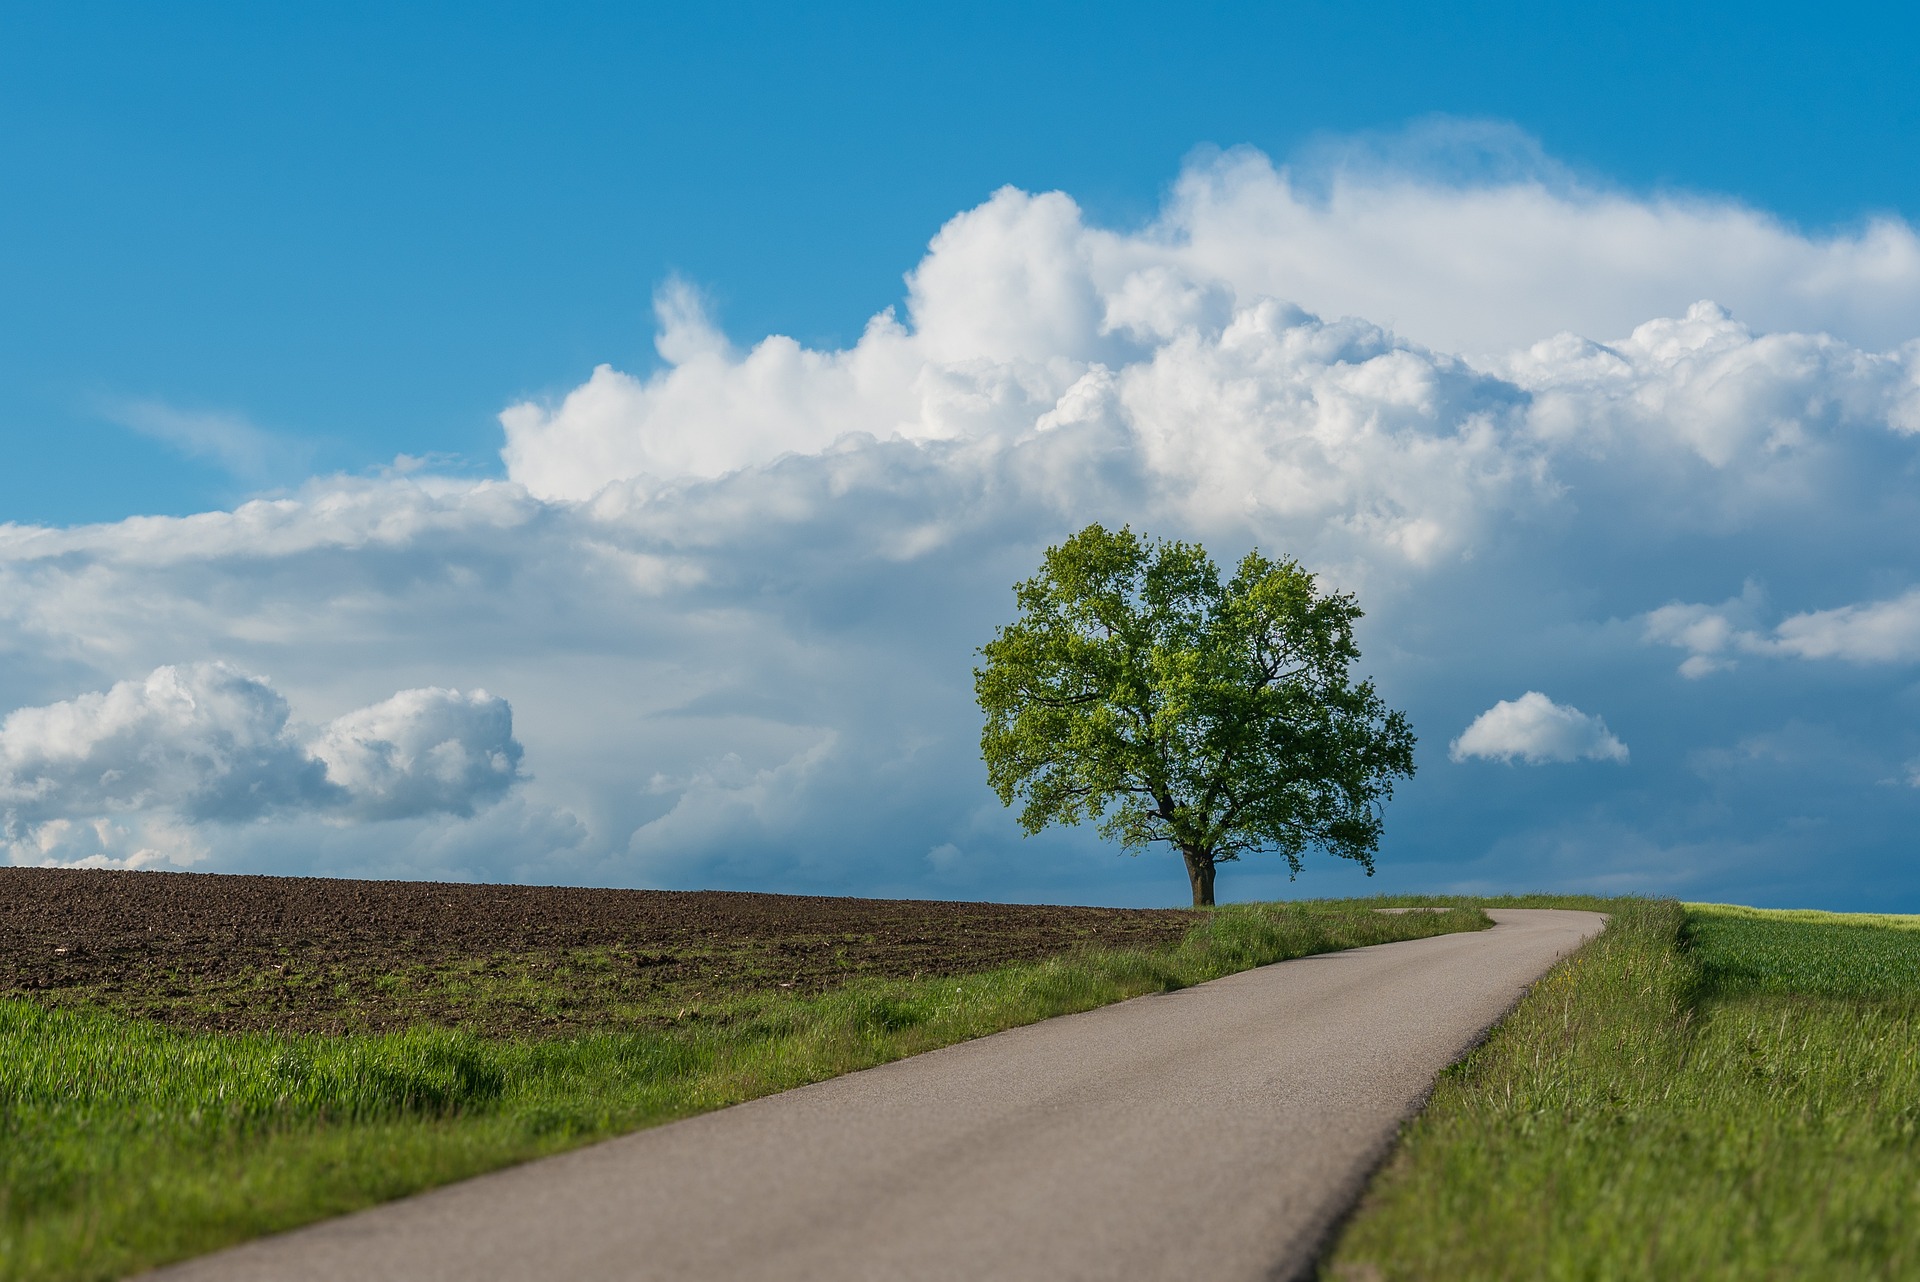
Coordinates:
[206,741]
[123,841]
[713,409]
[1488,263]
[1181,354]
[1537,730]
[1713,635]
[1278,415]
[1886,631]
[1705,383]
[421,752]
[1871,632]
[132,768]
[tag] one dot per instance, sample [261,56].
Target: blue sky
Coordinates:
[368,227]
[1319,278]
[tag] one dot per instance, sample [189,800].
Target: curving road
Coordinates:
[1214,1133]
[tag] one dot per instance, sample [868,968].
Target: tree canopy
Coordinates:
[1139,690]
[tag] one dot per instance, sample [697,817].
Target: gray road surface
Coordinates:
[1214,1133]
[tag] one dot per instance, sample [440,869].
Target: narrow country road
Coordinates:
[1214,1133]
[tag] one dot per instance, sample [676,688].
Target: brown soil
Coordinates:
[327,955]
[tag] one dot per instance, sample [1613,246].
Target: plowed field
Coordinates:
[330,955]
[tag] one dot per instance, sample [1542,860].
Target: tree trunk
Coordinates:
[1200,873]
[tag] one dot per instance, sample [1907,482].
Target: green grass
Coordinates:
[1703,1092]
[1746,950]
[125,1143]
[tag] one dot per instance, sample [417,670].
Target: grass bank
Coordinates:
[125,1143]
[1703,1092]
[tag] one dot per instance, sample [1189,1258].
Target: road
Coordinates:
[1214,1133]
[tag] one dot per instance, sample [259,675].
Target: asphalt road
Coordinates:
[1214,1133]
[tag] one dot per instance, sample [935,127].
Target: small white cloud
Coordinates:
[1871,632]
[1537,730]
[1711,634]
[1867,632]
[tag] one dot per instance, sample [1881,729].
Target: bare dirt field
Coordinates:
[306,954]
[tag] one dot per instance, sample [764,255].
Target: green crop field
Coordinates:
[125,1142]
[1704,1092]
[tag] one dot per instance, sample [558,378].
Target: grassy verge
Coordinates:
[125,1143]
[1703,1092]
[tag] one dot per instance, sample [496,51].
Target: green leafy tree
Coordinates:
[1139,690]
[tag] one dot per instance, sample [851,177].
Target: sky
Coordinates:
[586,444]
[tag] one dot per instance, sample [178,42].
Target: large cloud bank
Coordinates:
[734,599]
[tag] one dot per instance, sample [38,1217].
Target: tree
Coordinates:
[1139,690]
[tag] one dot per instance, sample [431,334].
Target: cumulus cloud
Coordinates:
[736,597]
[1870,632]
[1713,635]
[421,752]
[1706,384]
[205,740]
[1181,353]
[1537,730]
[1476,258]
[1277,415]
[714,409]
[1885,631]
[126,768]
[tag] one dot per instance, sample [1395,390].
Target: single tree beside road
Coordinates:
[1139,690]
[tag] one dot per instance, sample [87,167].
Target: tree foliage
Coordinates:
[1138,690]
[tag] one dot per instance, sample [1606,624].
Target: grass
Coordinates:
[1746,950]
[1703,1092]
[125,1143]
